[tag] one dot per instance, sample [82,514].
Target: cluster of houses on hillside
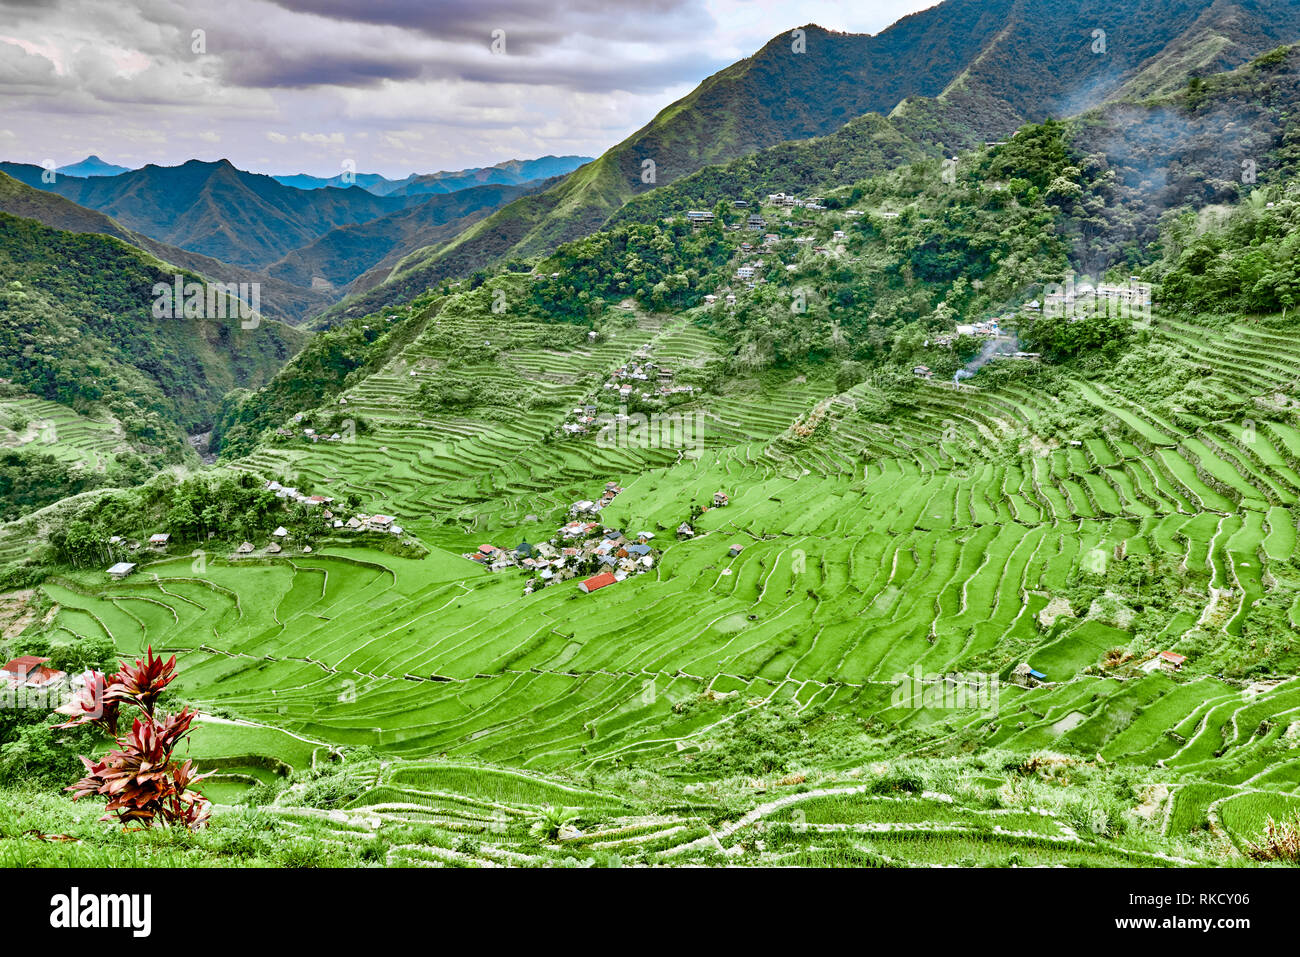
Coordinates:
[1026,675]
[1059,299]
[292,494]
[157,543]
[1078,300]
[584,508]
[357,523]
[309,434]
[789,200]
[583,547]
[984,329]
[641,376]
[749,270]
[720,500]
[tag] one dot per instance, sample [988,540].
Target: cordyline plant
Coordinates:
[142,782]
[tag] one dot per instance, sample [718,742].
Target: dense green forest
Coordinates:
[76,327]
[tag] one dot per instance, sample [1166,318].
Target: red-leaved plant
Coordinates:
[142,782]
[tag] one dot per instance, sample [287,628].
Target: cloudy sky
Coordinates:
[393,86]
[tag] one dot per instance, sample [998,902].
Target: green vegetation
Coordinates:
[120,387]
[1134,490]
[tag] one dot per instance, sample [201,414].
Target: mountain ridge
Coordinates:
[987,80]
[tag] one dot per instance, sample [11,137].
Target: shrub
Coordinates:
[1281,842]
[142,782]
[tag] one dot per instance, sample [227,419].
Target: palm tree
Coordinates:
[550,821]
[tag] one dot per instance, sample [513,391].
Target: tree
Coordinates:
[551,821]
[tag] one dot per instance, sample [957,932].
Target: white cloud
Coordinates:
[405,86]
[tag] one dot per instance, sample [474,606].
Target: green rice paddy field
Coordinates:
[944,540]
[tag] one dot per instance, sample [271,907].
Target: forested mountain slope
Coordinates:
[983,62]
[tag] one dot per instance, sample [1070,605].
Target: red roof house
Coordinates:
[23,664]
[597,581]
[30,670]
[44,676]
[1173,658]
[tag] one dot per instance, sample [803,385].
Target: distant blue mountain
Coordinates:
[508,173]
[373,182]
[92,166]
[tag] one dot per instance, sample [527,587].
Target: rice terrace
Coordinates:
[916,485]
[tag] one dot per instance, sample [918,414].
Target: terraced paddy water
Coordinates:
[57,430]
[933,543]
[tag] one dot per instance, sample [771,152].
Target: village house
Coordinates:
[1134,294]
[273,549]
[979,330]
[281,532]
[720,500]
[1025,676]
[735,550]
[121,570]
[922,372]
[596,582]
[160,540]
[685,531]
[29,671]
[245,549]
[1172,660]
[380,523]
